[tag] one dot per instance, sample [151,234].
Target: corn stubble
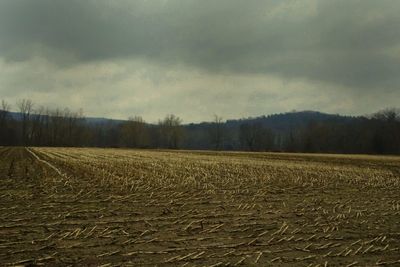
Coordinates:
[113,207]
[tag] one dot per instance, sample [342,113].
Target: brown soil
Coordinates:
[108,207]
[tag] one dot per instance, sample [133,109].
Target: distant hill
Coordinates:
[281,124]
[289,120]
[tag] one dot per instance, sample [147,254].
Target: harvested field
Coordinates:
[113,207]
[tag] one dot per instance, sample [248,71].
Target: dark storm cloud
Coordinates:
[355,43]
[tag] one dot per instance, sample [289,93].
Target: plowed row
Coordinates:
[109,207]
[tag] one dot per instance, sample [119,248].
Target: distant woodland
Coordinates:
[305,131]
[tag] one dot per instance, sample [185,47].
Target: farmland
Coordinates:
[106,207]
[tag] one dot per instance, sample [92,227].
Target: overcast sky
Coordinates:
[194,59]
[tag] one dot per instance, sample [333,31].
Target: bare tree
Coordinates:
[25,107]
[4,112]
[255,137]
[5,106]
[217,132]
[37,126]
[133,132]
[171,131]
[386,139]
[389,115]
[75,127]
[56,127]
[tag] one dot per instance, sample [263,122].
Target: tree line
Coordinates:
[42,126]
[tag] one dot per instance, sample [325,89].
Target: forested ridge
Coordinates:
[304,131]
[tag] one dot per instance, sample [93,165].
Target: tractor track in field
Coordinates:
[63,207]
[58,171]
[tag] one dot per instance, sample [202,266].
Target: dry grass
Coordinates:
[106,207]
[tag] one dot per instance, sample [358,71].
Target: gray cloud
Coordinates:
[336,41]
[350,45]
